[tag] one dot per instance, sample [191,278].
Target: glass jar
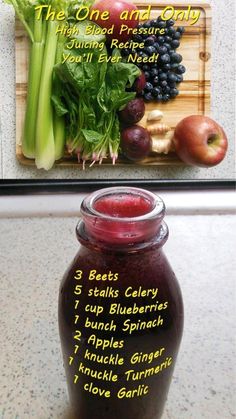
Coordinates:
[120,308]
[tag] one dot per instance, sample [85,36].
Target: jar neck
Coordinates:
[122,218]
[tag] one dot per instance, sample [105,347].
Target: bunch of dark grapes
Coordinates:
[162,77]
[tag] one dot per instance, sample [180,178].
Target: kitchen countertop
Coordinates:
[202,253]
[223,109]
[68,204]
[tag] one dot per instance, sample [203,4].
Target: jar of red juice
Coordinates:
[120,308]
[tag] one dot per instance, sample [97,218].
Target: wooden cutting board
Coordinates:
[194,97]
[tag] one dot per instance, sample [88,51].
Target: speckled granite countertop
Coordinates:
[202,253]
[223,109]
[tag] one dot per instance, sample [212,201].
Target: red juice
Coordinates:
[120,309]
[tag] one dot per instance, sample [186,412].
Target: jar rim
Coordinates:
[157,204]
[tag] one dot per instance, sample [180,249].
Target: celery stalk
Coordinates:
[59,122]
[45,147]
[43,133]
[34,75]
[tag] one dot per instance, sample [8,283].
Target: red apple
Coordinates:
[115,9]
[200,141]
